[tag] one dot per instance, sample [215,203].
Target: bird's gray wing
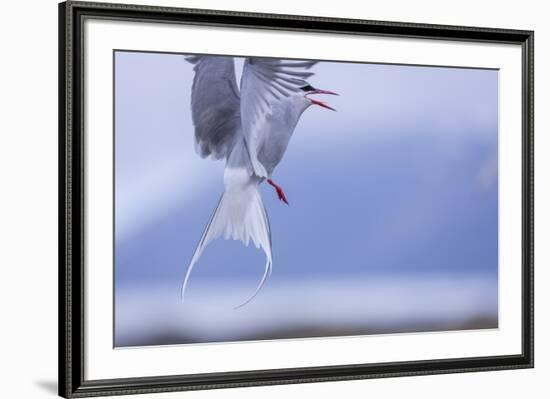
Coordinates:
[265,82]
[215,105]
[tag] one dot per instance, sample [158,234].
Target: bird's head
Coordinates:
[309,90]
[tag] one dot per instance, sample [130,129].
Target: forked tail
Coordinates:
[240,215]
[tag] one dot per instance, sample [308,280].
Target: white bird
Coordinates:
[250,129]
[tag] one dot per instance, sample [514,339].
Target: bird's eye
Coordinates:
[307,88]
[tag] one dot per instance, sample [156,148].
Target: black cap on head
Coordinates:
[308,87]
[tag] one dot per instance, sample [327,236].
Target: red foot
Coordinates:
[279,191]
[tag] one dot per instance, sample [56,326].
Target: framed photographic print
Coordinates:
[252,199]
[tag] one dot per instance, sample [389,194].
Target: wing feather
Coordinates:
[215,105]
[265,83]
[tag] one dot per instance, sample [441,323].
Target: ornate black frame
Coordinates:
[71,196]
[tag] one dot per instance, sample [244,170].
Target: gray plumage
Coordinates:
[278,130]
[215,106]
[264,112]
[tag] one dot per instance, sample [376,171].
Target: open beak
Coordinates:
[321,103]
[319,91]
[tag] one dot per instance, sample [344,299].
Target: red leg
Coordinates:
[280,192]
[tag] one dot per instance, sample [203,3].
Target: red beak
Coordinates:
[321,103]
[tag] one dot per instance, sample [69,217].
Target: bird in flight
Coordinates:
[250,129]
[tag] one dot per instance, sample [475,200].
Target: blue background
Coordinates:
[392,224]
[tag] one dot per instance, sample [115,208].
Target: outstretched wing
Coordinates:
[265,82]
[215,105]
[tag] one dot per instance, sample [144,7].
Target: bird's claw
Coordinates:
[279,190]
[281,195]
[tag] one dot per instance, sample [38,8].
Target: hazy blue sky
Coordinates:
[400,182]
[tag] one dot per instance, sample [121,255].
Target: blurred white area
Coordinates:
[156,191]
[356,306]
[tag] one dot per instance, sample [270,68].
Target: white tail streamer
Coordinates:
[240,215]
